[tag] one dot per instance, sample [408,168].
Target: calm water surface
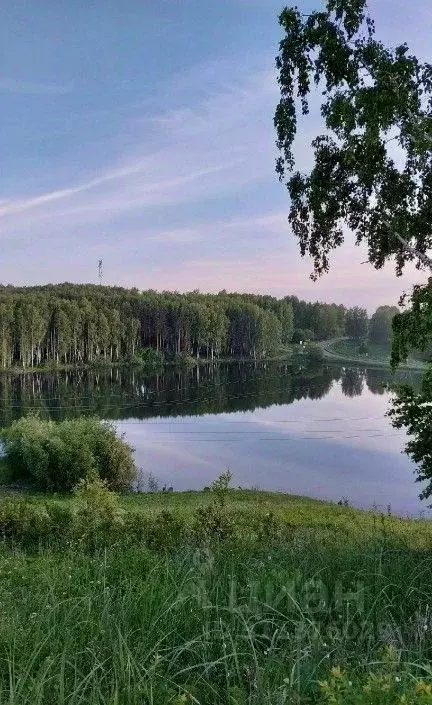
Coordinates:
[318,432]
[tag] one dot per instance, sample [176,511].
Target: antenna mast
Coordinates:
[100,270]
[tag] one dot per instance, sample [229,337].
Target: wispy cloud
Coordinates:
[151,213]
[16,207]
[220,144]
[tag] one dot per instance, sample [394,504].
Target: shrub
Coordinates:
[221,487]
[97,513]
[23,521]
[301,335]
[57,455]
[61,520]
[315,353]
[165,531]
[149,356]
[212,523]
[267,527]
[184,359]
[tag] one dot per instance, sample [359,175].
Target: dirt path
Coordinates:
[326,346]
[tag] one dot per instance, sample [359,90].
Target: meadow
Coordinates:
[216,597]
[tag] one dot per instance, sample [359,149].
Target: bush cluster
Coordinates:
[314,353]
[149,357]
[55,456]
[95,518]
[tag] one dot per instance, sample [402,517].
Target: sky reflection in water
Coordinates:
[320,432]
[335,447]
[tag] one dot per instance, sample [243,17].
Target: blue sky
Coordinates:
[141,132]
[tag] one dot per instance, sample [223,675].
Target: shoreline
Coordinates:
[261,500]
[287,357]
[331,356]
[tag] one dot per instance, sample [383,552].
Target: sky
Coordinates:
[140,132]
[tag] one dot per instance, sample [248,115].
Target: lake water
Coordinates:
[318,432]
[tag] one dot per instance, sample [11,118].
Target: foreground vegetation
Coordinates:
[213,597]
[56,456]
[218,597]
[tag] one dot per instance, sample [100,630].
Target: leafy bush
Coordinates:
[57,455]
[185,360]
[267,527]
[315,353]
[149,356]
[301,335]
[23,521]
[165,531]
[221,487]
[212,523]
[61,520]
[97,513]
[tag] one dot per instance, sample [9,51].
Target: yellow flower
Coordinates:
[181,699]
[423,688]
[337,672]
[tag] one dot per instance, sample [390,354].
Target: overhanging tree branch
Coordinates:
[422,257]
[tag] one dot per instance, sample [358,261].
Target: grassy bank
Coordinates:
[243,597]
[347,350]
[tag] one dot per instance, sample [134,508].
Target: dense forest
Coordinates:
[73,324]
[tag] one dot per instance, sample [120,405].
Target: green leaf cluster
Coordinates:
[56,456]
[372,169]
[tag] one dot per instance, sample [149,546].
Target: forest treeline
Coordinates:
[74,323]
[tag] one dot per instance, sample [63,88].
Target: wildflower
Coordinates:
[423,688]
[337,672]
[324,685]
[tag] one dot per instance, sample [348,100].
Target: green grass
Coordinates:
[348,350]
[127,626]
[377,352]
[289,510]
[247,508]
[257,617]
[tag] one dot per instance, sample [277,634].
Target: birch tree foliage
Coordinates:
[372,168]
[372,163]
